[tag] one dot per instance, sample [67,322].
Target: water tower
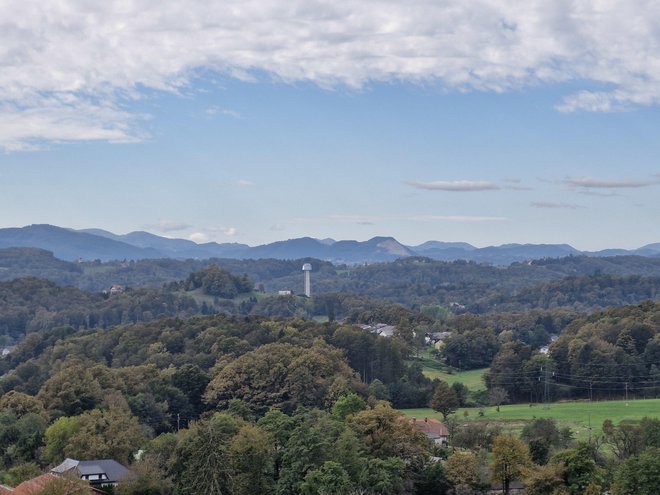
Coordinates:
[307,268]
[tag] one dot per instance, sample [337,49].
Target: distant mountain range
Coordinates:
[91,244]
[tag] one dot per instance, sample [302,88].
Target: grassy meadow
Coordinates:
[577,415]
[433,368]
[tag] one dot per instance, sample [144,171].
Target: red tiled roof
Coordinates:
[35,485]
[431,426]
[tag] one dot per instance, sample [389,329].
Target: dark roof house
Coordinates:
[97,472]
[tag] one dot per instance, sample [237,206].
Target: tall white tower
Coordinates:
[307,268]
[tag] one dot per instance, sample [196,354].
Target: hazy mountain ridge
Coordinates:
[90,244]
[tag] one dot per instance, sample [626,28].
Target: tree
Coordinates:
[383,476]
[639,475]
[113,434]
[72,391]
[202,464]
[147,479]
[545,480]
[462,392]
[57,436]
[385,433]
[251,457]
[432,480]
[279,375]
[18,474]
[541,434]
[581,469]
[444,399]
[626,439]
[510,459]
[20,404]
[66,485]
[329,479]
[348,405]
[307,448]
[462,470]
[498,396]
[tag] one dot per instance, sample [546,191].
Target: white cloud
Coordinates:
[591,182]
[231,113]
[457,218]
[456,185]
[199,237]
[245,183]
[228,231]
[88,60]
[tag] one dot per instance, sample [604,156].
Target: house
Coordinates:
[381,329]
[116,289]
[434,429]
[98,472]
[435,337]
[284,292]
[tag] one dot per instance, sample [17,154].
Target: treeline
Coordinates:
[33,305]
[234,348]
[315,389]
[577,283]
[610,354]
[255,405]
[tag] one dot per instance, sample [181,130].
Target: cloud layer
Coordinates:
[593,183]
[456,185]
[71,67]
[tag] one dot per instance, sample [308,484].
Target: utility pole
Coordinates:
[546,388]
[178,422]
[626,393]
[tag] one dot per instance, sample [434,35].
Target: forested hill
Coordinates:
[576,283]
[34,305]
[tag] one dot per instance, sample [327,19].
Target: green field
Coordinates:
[471,379]
[433,368]
[577,415]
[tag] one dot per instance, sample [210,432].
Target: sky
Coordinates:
[486,121]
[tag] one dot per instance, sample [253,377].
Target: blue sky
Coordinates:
[487,122]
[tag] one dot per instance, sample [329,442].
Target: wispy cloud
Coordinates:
[167,226]
[593,183]
[545,204]
[598,193]
[214,110]
[457,218]
[245,183]
[228,231]
[357,219]
[90,65]
[457,185]
[232,113]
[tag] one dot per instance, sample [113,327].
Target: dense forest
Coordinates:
[228,389]
[576,283]
[293,406]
